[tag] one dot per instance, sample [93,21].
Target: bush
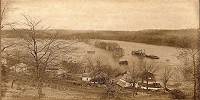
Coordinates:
[177,94]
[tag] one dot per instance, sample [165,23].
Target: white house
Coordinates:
[153,86]
[21,67]
[86,77]
[123,62]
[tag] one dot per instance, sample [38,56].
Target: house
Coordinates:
[154,86]
[148,80]
[147,76]
[86,77]
[124,83]
[20,68]
[124,80]
[123,62]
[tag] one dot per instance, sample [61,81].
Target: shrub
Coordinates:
[177,94]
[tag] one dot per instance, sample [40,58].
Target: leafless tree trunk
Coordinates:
[148,69]
[166,75]
[3,8]
[42,53]
[134,73]
[191,54]
[198,67]
[197,78]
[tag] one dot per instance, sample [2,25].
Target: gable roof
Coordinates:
[123,83]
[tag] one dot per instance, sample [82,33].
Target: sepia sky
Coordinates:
[109,14]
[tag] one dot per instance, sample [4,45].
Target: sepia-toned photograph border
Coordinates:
[100,49]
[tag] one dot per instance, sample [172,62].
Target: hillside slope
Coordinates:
[177,38]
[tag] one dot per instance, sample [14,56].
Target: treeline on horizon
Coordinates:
[177,38]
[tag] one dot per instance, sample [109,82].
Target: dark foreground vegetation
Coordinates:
[177,38]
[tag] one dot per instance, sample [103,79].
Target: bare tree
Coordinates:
[148,70]
[135,75]
[13,58]
[186,68]
[42,52]
[166,75]
[189,58]
[104,74]
[135,72]
[72,67]
[198,67]
[4,5]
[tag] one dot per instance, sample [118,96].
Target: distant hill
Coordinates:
[177,38]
